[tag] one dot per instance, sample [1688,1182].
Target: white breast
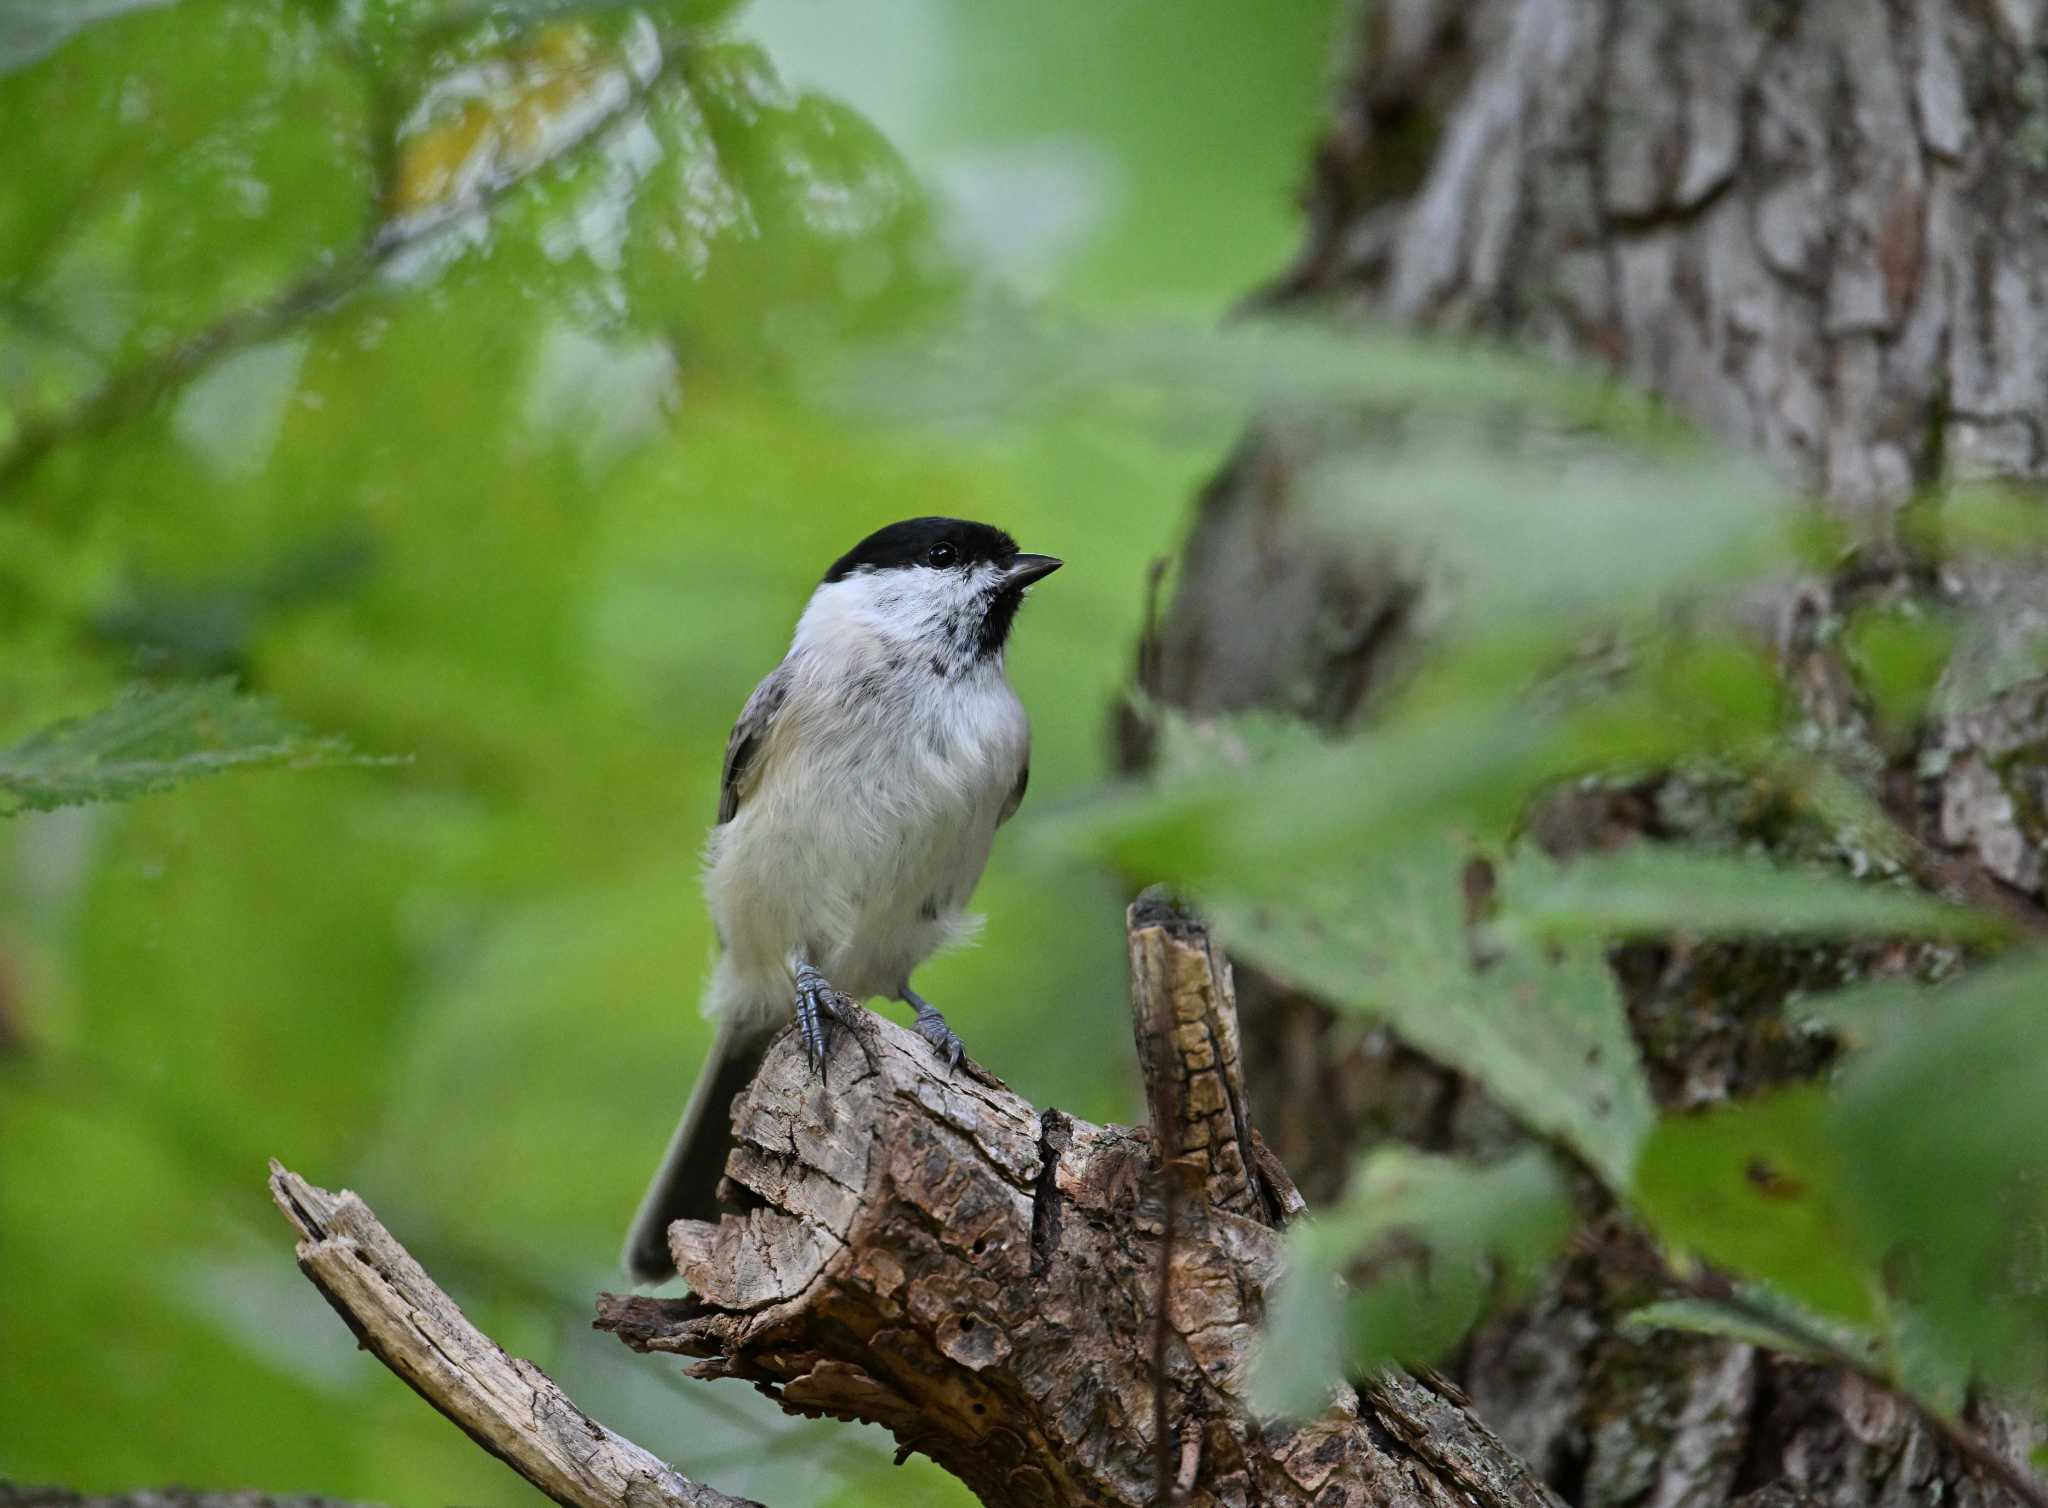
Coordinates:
[882,781]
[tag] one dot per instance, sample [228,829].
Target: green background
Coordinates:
[534,509]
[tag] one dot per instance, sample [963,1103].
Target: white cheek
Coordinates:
[958,594]
[906,606]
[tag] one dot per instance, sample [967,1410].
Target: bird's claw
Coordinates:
[932,1027]
[818,1005]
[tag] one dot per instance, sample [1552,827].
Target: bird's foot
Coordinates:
[932,1027]
[818,1005]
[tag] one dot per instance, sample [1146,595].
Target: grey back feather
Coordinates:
[749,734]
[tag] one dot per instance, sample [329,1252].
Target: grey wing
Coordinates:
[749,734]
[1016,797]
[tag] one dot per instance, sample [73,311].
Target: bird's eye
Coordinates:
[941,555]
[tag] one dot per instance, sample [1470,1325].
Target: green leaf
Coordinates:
[1301,1359]
[1542,1029]
[1910,1197]
[438,19]
[220,176]
[1536,550]
[1899,655]
[1758,1315]
[1992,516]
[1244,804]
[1225,815]
[1006,362]
[1425,1246]
[31,29]
[1699,1317]
[1942,1129]
[1756,1188]
[1650,888]
[153,737]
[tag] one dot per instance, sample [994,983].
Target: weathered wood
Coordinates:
[1184,1020]
[505,1404]
[934,1255]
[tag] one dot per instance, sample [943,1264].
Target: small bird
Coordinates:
[863,786]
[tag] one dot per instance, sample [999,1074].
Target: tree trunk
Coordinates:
[1815,228]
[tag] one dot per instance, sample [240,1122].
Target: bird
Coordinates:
[859,799]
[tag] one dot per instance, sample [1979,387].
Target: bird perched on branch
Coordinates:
[863,786]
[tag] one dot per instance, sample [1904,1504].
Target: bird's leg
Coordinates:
[818,1005]
[932,1027]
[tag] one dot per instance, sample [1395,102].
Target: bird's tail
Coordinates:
[686,1186]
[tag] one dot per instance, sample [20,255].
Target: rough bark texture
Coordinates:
[1816,228]
[981,1278]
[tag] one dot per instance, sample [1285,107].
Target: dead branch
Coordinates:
[931,1254]
[507,1405]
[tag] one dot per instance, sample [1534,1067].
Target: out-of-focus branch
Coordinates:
[131,389]
[505,1404]
[16,1495]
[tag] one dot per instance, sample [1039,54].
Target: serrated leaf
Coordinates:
[153,737]
[1756,1188]
[1425,1246]
[1541,1029]
[1650,889]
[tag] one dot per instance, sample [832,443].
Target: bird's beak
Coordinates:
[1026,569]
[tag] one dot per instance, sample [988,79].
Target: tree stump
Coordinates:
[929,1253]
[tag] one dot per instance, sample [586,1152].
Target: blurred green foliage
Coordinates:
[1579,634]
[484,384]
[1890,1217]
[1431,1244]
[447,372]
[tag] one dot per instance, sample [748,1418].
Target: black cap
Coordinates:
[912,543]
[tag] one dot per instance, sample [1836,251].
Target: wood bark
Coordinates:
[1815,228]
[929,1253]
